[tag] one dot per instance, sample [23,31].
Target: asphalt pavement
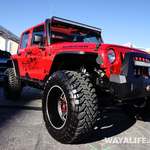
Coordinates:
[22,127]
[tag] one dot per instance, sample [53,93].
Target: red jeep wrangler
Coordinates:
[78,73]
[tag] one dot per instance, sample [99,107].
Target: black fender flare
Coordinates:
[13,63]
[60,57]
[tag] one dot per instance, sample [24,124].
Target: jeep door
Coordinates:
[36,55]
[23,61]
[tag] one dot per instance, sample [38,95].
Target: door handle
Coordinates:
[29,52]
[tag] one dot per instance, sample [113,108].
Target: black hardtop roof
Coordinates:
[73,23]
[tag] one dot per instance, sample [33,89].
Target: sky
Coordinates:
[121,21]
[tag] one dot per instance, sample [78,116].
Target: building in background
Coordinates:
[8,41]
[140,48]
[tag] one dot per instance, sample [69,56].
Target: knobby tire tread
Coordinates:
[85,111]
[14,85]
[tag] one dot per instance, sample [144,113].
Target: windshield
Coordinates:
[64,33]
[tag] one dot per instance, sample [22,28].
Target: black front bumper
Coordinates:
[125,85]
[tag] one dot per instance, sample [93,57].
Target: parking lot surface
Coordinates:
[22,127]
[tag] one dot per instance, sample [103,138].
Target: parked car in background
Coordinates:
[4,56]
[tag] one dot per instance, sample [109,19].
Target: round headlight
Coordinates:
[111,55]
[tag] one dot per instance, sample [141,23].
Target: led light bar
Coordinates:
[75,23]
[141,63]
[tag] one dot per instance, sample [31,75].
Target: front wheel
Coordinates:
[139,110]
[70,106]
[12,86]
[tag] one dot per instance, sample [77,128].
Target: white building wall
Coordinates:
[2,43]
[8,45]
[8,41]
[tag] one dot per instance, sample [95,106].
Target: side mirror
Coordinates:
[38,39]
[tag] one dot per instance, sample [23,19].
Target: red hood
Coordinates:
[129,49]
[91,47]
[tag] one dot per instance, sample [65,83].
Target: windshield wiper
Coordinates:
[85,37]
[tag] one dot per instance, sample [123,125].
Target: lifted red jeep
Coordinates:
[79,74]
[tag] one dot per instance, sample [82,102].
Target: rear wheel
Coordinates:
[12,86]
[139,110]
[70,106]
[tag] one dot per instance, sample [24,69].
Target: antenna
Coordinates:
[51,10]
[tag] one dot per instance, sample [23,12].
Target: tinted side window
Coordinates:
[24,40]
[4,54]
[38,30]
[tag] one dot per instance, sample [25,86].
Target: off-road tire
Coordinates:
[12,86]
[81,106]
[142,112]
